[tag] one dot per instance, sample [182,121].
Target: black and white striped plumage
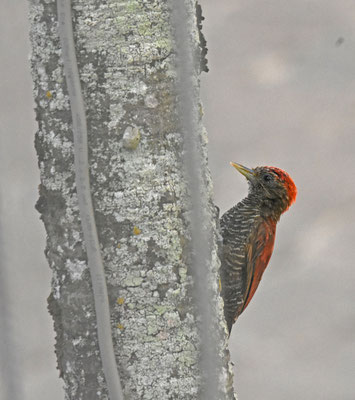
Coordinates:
[248,232]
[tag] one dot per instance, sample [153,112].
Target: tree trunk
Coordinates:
[142,203]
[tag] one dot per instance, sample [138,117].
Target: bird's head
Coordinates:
[272,186]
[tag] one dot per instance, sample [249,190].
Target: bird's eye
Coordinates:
[267,177]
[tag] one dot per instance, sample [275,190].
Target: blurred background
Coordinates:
[281,92]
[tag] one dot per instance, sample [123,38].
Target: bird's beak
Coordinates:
[247,172]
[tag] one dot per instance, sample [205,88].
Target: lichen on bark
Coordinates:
[126,62]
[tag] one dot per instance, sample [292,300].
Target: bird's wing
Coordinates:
[259,250]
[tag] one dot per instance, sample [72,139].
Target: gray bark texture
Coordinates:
[127,64]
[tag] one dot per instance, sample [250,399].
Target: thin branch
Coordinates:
[85,202]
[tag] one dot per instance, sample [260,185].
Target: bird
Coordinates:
[248,235]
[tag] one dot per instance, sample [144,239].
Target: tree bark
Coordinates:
[127,64]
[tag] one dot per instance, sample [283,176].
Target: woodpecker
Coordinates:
[248,232]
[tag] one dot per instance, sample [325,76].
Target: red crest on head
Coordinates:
[287,182]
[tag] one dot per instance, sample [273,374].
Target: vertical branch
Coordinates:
[127,67]
[216,383]
[187,84]
[82,181]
